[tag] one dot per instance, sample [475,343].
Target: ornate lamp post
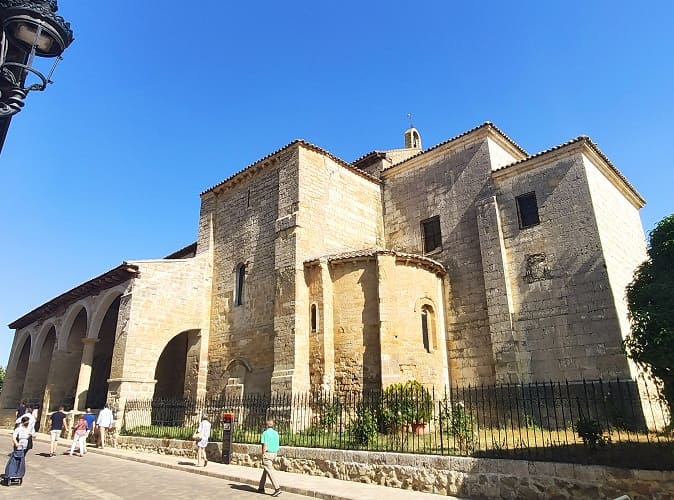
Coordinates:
[30,28]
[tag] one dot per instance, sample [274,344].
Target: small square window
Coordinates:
[527,210]
[430,229]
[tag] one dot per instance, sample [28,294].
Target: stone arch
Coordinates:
[42,353]
[67,358]
[99,349]
[18,346]
[237,371]
[428,314]
[68,321]
[103,303]
[177,366]
[40,337]
[14,385]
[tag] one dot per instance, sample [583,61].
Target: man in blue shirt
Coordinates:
[91,426]
[270,447]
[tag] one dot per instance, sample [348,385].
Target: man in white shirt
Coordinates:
[104,423]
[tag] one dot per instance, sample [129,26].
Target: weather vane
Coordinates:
[409,115]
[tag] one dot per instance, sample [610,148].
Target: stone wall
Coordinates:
[448,182]
[456,476]
[405,290]
[165,301]
[562,304]
[242,218]
[356,325]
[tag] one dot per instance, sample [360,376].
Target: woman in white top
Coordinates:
[21,434]
[204,431]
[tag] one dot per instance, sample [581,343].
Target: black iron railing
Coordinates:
[582,422]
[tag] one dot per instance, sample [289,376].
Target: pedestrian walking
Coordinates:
[36,416]
[270,446]
[31,428]
[203,432]
[58,423]
[104,423]
[21,409]
[79,436]
[91,426]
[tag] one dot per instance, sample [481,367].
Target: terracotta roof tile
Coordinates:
[463,134]
[284,148]
[577,140]
[371,252]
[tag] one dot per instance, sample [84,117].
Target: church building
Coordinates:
[470,262]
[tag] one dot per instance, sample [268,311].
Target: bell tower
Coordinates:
[412,137]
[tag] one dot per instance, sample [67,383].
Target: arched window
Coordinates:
[240,279]
[314,318]
[428,329]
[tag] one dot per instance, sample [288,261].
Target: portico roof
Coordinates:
[113,277]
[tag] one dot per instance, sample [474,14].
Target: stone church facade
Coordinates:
[472,262]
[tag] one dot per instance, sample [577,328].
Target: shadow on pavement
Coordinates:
[243,487]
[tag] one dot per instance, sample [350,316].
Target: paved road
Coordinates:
[99,476]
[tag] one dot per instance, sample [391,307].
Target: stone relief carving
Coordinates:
[536,268]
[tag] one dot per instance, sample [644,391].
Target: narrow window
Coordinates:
[527,210]
[424,329]
[248,199]
[430,229]
[240,278]
[314,317]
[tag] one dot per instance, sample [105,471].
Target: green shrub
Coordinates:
[591,432]
[330,411]
[363,427]
[405,404]
[461,424]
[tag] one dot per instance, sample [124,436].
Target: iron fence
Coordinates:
[582,422]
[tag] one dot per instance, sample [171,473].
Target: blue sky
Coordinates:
[155,102]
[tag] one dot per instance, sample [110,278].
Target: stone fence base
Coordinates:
[457,476]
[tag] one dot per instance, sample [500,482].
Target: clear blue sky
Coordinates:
[156,102]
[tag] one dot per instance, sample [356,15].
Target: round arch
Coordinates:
[40,337]
[18,346]
[176,363]
[103,304]
[68,322]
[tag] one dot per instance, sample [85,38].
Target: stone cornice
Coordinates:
[580,145]
[273,157]
[485,131]
[119,274]
[372,253]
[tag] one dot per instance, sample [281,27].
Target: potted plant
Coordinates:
[407,406]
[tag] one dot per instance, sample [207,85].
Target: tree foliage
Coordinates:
[2,377]
[650,297]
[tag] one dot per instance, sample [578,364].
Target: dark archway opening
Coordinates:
[97,393]
[16,389]
[170,371]
[39,377]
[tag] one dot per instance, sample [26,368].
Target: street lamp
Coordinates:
[29,28]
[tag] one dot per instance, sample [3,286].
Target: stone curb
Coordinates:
[308,492]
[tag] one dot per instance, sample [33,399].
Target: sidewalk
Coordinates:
[301,484]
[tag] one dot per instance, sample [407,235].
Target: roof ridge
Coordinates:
[486,124]
[579,139]
[282,149]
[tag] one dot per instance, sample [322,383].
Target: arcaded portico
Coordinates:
[114,336]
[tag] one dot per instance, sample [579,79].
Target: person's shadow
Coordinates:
[43,454]
[243,487]
[187,463]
